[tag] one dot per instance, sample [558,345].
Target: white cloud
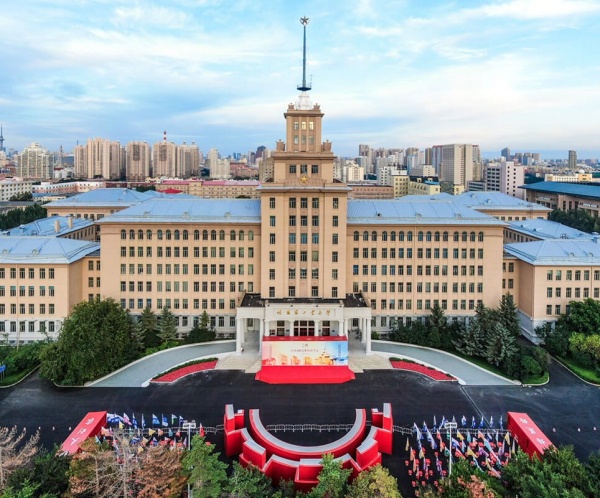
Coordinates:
[537,9]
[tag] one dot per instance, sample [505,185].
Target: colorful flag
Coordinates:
[482,423]
[143,422]
[201,431]
[491,421]
[165,421]
[181,420]
[174,419]
[126,419]
[134,421]
[463,421]
[407,445]
[155,420]
[473,423]
[459,435]
[500,423]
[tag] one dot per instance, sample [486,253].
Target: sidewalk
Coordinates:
[138,373]
[466,373]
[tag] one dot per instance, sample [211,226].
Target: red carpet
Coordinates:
[182,372]
[305,375]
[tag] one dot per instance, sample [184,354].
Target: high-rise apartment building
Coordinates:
[457,164]
[188,160]
[164,159]
[220,168]
[137,161]
[505,177]
[572,159]
[34,162]
[100,158]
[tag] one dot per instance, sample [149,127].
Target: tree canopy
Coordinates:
[95,339]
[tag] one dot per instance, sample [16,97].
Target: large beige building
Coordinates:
[99,157]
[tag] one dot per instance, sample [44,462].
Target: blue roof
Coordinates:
[494,200]
[47,226]
[546,229]
[559,252]
[106,197]
[589,190]
[397,211]
[176,209]
[45,250]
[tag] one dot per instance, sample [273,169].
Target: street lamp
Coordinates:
[450,426]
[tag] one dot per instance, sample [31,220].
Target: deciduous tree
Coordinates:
[15,451]
[375,482]
[248,482]
[333,479]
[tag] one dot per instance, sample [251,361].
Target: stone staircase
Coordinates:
[249,362]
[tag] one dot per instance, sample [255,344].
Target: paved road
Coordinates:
[466,372]
[565,403]
[141,371]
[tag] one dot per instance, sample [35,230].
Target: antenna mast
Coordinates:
[304,86]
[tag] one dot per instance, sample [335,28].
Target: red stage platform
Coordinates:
[305,375]
[305,360]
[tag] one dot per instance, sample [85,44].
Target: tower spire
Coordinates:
[1,139]
[304,86]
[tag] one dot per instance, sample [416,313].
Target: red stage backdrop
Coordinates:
[305,351]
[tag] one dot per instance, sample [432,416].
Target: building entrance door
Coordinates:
[304,328]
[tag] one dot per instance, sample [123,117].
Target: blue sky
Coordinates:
[389,73]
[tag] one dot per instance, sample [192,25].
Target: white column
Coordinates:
[317,331]
[366,331]
[368,338]
[238,335]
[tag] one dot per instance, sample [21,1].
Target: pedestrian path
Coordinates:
[467,373]
[249,362]
[140,372]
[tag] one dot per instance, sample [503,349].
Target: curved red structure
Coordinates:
[356,450]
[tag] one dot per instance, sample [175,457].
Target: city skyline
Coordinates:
[219,73]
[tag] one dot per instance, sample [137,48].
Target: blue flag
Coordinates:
[165,421]
[482,423]
[473,423]
[491,421]
[143,422]
[463,421]
[181,420]
[134,421]
[155,420]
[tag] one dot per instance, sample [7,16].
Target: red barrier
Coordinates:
[528,435]
[89,426]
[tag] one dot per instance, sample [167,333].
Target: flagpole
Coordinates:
[450,426]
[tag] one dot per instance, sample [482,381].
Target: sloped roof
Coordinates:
[494,200]
[559,252]
[588,190]
[46,250]
[546,229]
[106,197]
[177,209]
[396,211]
[47,226]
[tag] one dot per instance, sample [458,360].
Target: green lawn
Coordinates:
[9,380]
[536,381]
[585,373]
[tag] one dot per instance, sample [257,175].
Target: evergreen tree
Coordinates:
[437,327]
[248,482]
[206,473]
[333,479]
[508,315]
[500,344]
[201,332]
[167,330]
[136,333]
[149,325]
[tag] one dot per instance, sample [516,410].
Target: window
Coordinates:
[272,202]
[336,204]
[334,239]
[314,169]
[292,203]
[272,221]
[291,291]
[314,291]
[303,203]
[272,238]
[335,222]
[315,203]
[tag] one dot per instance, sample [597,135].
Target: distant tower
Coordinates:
[1,140]
[505,153]
[573,159]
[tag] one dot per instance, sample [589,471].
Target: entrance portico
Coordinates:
[303,317]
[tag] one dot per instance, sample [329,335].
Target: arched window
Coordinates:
[445,237]
[464,236]
[123,234]
[384,236]
[409,236]
[250,234]
[365,236]
[196,234]
[456,236]
[356,236]
[436,236]
[472,236]
[480,236]
[204,234]
[131,234]
[176,234]
[221,234]
[401,236]
[420,236]
[148,234]
[140,235]
[374,236]
[168,234]
[185,235]
[428,236]
[393,236]
[213,235]
[241,235]
[232,235]
[159,234]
